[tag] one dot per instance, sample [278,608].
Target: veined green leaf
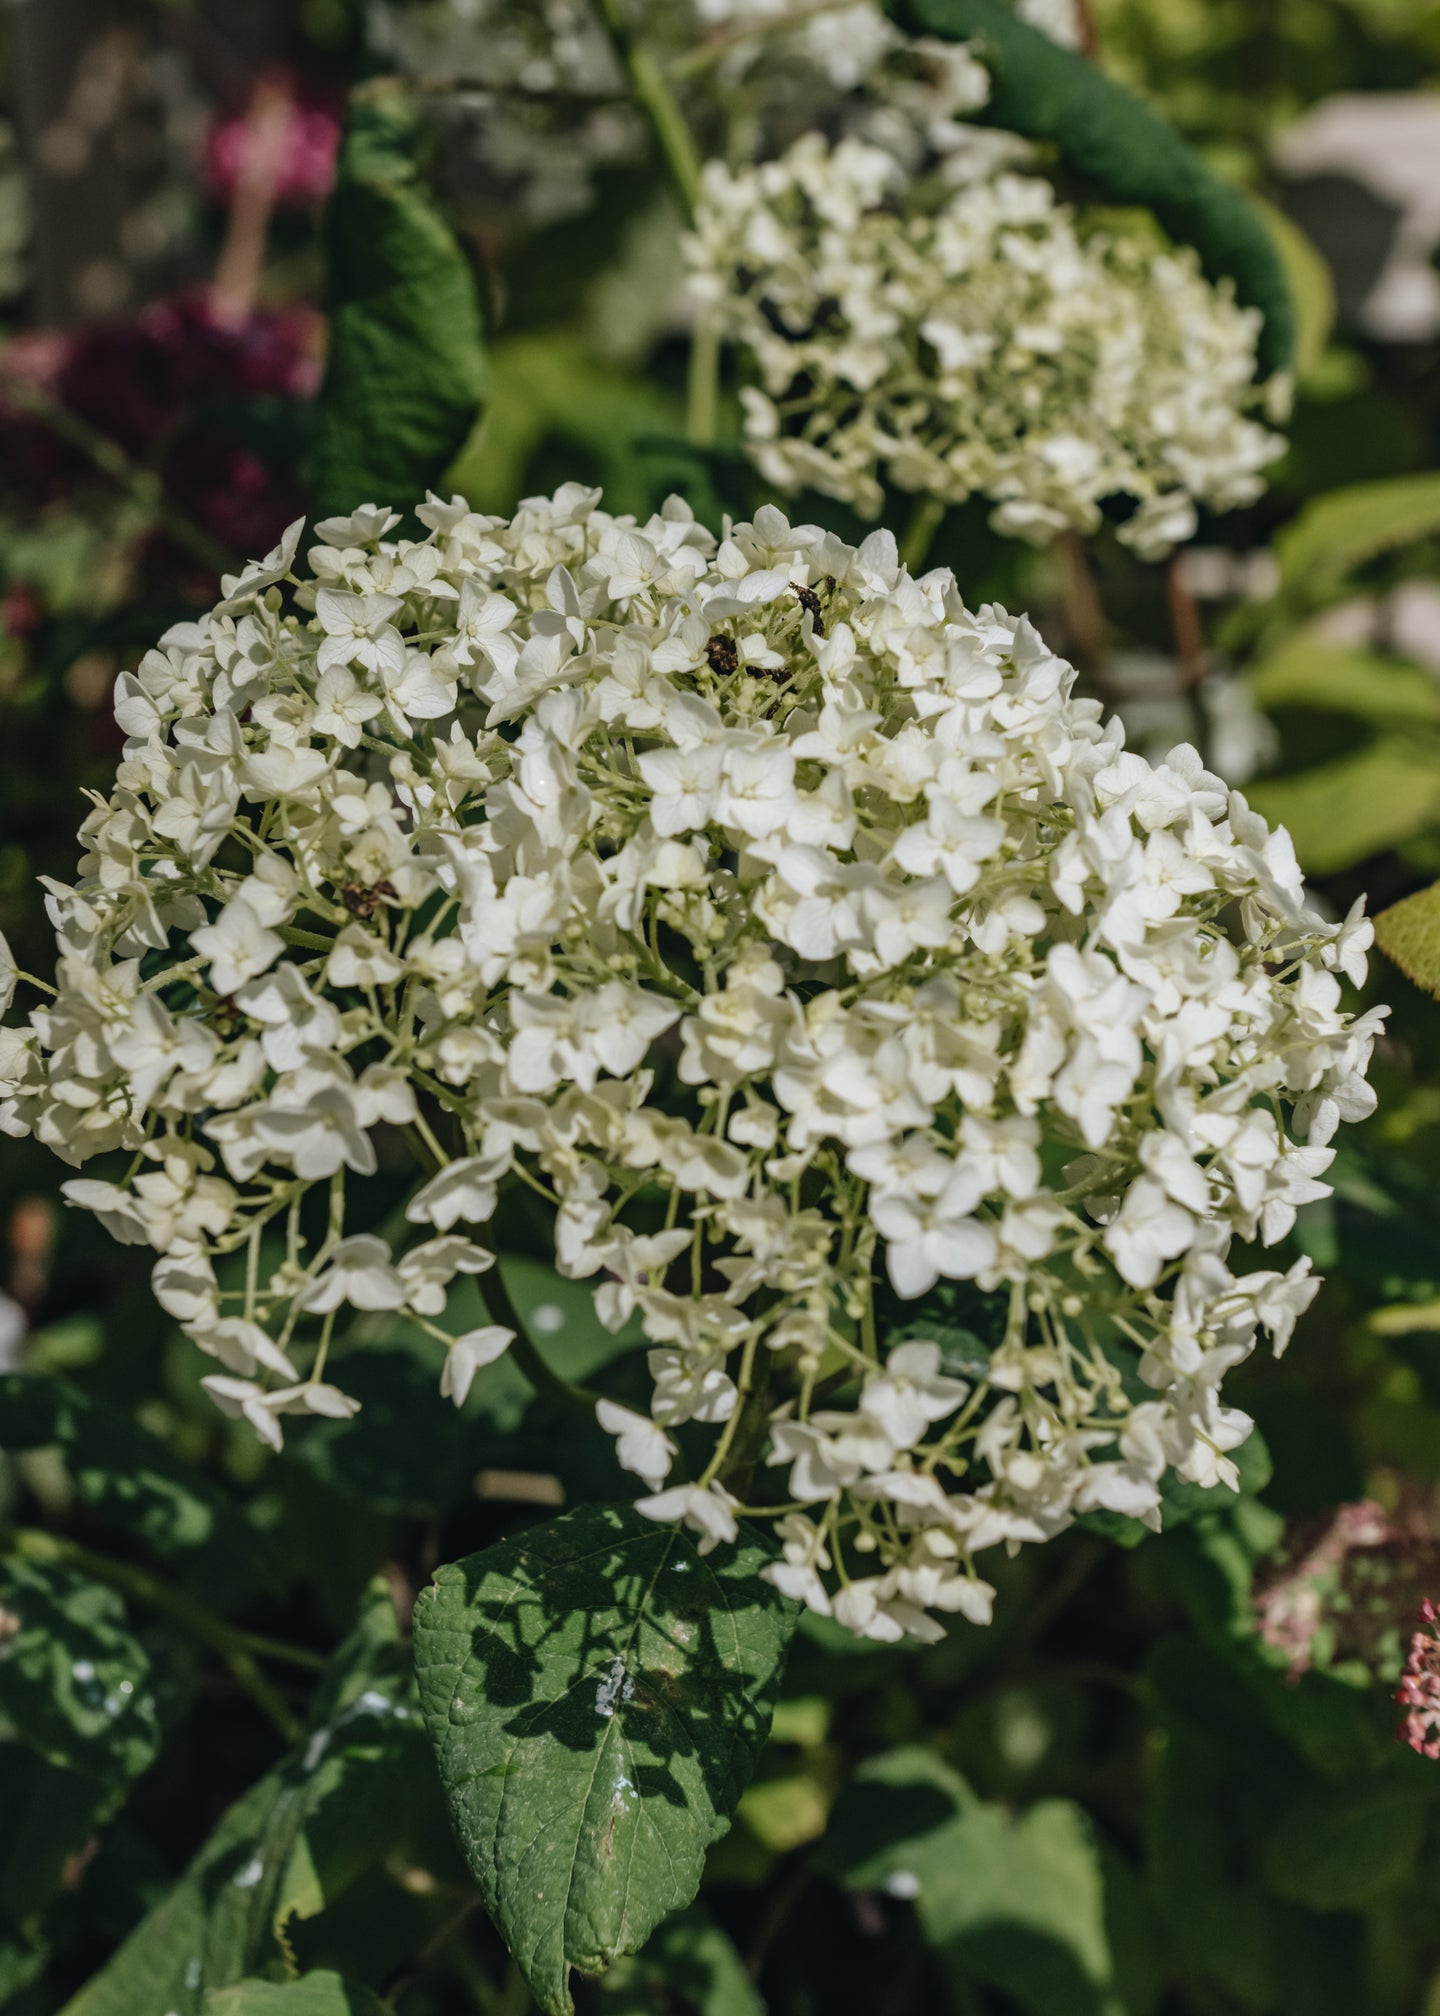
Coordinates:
[406,376]
[1126,152]
[1409,933]
[597,1692]
[311,1995]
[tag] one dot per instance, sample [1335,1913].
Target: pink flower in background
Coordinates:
[282,140]
[1419,1689]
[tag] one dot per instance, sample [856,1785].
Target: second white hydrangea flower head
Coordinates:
[970,338]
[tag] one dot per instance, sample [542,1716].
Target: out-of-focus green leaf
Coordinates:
[1339,1847]
[1342,812]
[1306,672]
[557,412]
[597,1692]
[341,1802]
[1126,152]
[1409,933]
[406,376]
[1312,287]
[1015,1901]
[74,1680]
[689,1958]
[312,1995]
[1335,535]
[128,1476]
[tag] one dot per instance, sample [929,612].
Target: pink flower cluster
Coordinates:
[1419,1689]
[302,168]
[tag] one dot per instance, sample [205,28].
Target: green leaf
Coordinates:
[597,1692]
[1339,1847]
[1340,813]
[340,1803]
[1015,1901]
[128,1476]
[1307,672]
[406,376]
[1126,152]
[311,1995]
[1335,535]
[690,1958]
[1409,933]
[74,1681]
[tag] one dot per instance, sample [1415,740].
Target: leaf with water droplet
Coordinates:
[597,1717]
[357,1788]
[74,1679]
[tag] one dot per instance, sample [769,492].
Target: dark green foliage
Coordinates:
[406,375]
[132,1481]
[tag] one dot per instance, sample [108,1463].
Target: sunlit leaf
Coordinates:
[1409,933]
[597,1693]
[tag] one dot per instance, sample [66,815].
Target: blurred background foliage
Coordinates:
[1166,1783]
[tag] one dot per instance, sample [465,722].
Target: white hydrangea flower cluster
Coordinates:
[786,926]
[980,343]
[553,92]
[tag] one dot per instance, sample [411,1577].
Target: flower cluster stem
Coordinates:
[661,107]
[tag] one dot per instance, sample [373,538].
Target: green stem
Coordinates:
[920,533]
[112,461]
[236,1649]
[660,104]
[703,393]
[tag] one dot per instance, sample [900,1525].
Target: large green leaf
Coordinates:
[1409,933]
[406,375]
[1126,152]
[1016,1901]
[337,1806]
[128,1476]
[311,1995]
[74,1680]
[597,1692]
[1335,535]
[1342,812]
